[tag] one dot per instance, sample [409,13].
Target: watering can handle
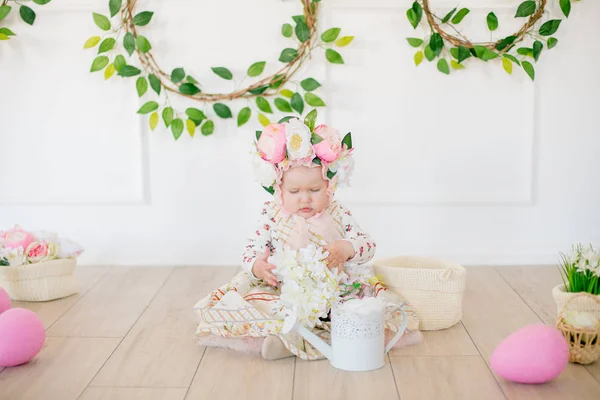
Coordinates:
[400,330]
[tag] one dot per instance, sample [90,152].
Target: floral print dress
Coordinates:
[247,307]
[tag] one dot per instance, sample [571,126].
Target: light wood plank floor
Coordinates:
[129,335]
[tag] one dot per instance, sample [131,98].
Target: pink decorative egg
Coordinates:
[534,354]
[22,336]
[5,303]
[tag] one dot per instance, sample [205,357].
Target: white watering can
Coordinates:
[357,334]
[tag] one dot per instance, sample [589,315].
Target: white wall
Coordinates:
[478,167]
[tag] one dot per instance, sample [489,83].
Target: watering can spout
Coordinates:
[316,341]
[291,324]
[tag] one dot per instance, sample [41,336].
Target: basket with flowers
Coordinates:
[37,266]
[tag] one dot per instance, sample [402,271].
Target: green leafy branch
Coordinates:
[453,50]
[26,13]
[265,96]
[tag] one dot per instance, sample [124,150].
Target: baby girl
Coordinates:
[301,165]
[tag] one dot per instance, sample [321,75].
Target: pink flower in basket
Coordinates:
[16,237]
[41,251]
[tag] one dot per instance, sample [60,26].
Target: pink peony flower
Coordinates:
[330,148]
[16,237]
[271,144]
[37,251]
[41,251]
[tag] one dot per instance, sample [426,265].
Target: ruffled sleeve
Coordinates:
[259,239]
[363,244]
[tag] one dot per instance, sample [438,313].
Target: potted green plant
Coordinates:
[578,303]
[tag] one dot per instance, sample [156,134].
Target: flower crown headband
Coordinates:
[291,142]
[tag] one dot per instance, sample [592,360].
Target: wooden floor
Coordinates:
[128,335]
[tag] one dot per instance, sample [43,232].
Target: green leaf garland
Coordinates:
[120,46]
[451,48]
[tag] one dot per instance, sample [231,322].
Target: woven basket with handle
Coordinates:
[583,342]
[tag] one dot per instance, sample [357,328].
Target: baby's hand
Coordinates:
[340,251]
[262,269]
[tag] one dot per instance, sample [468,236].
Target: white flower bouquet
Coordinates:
[309,288]
[37,266]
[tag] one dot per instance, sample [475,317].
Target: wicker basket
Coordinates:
[433,288]
[583,342]
[43,281]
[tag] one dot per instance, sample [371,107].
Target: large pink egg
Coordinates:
[5,303]
[534,354]
[22,336]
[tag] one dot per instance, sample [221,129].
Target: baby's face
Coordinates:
[304,191]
